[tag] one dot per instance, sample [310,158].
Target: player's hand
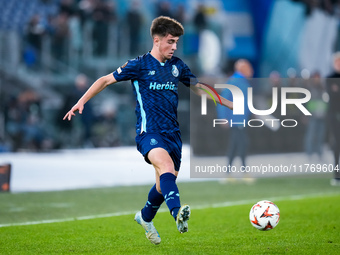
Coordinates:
[77,107]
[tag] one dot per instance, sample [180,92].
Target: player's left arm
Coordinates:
[200,89]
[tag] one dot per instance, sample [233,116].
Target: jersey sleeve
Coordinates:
[187,77]
[128,71]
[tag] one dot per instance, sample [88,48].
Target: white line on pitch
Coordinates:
[215,205]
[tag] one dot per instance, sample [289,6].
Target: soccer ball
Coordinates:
[264,215]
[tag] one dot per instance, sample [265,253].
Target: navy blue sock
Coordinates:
[155,199]
[170,192]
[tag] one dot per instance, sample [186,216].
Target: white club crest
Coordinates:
[174,71]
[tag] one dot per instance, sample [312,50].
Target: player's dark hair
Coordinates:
[165,25]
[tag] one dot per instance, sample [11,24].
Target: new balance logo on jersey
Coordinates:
[152,72]
[158,86]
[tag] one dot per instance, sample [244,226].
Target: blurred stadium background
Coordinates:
[52,50]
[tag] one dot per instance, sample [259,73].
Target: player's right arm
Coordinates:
[95,88]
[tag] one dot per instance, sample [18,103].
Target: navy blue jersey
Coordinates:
[155,86]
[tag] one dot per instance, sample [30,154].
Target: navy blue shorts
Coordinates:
[171,142]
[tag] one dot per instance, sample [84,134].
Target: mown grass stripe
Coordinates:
[205,206]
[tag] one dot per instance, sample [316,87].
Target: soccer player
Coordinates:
[155,77]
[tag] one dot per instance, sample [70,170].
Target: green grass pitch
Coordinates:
[219,224]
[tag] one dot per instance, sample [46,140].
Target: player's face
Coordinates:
[167,46]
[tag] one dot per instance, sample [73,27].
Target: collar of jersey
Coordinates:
[161,63]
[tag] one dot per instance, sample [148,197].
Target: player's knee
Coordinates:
[167,168]
[161,161]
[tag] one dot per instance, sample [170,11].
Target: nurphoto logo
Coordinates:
[239,105]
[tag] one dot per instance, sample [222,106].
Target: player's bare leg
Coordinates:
[146,215]
[165,184]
